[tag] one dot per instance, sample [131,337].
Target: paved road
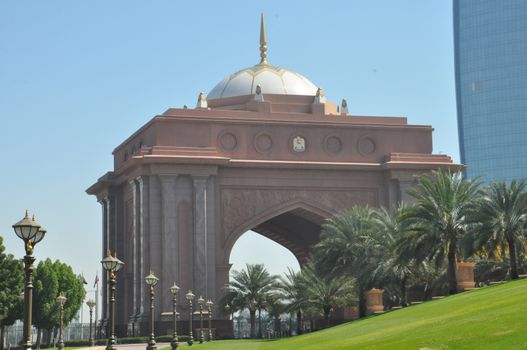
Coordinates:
[133,346]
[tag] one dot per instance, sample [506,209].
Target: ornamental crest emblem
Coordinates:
[299,144]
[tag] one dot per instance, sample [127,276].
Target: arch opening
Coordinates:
[293,233]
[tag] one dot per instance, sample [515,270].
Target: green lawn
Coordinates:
[488,318]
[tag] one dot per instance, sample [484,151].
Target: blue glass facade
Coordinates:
[490,43]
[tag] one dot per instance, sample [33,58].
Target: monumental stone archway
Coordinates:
[264,151]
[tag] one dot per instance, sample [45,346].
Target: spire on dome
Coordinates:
[263,42]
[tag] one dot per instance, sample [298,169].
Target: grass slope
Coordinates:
[489,318]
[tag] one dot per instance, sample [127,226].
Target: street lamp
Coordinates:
[209,307]
[31,233]
[91,304]
[151,280]
[174,289]
[61,299]
[201,301]
[112,265]
[190,297]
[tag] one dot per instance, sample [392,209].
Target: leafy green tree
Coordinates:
[397,267]
[502,215]
[52,278]
[275,308]
[440,218]
[352,243]
[326,292]
[11,286]
[251,287]
[294,295]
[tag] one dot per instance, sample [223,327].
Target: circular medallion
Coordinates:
[298,144]
[228,141]
[333,144]
[263,143]
[366,146]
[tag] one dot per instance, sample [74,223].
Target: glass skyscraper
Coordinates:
[490,43]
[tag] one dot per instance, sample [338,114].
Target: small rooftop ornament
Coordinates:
[263,42]
[258,96]
[319,97]
[202,101]
[344,109]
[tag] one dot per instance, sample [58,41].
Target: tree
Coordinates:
[251,288]
[11,286]
[275,308]
[326,292]
[398,266]
[352,243]
[50,279]
[502,214]
[441,217]
[294,294]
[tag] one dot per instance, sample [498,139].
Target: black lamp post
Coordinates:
[190,297]
[91,304]
[112,265]
[174,289]
[209,309]
[201,301]
[31,233]
[61,299]
[151,280]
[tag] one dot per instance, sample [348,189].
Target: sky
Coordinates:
[77,78]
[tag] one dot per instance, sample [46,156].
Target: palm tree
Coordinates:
[251,288]
[325,292]
[398,267]
[503,218]
[440,218]
[352,244]
[275,308]
[293,293]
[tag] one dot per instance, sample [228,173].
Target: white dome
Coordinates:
[272,80]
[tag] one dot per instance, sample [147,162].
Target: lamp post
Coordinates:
[61,299]
[209,309]
[31,233]
[91,304]
[190,297]
[201,301]
[174,289]
[151,280]
[112,265]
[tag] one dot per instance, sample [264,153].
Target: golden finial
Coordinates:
[263,42]
[27,214]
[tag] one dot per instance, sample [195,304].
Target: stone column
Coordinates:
[200,235]
[169,250]
[105,247]
[134,255]
[374,302]
[140,229]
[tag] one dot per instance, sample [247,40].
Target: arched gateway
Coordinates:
[265,151]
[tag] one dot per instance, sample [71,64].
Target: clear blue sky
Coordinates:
[78,77]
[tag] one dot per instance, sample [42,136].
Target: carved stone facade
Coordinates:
[190,182]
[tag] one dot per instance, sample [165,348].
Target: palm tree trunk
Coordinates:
[404,302]
[253,323]
[299,322]
[259,323]
[451,268]
[512,257]
[362,303]
[2,336]
[326,316]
